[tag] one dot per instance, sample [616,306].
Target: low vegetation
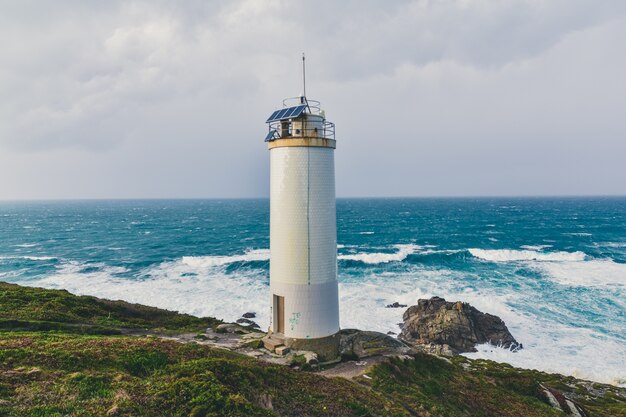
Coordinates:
[36,309]
[63,355]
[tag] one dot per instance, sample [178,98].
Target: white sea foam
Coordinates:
[198,288]
[594,273]
[366,233]
[211,261]
[566,268]
[401,253]
[26,245]
[535,247]
[30,258]
[613,244]
[509,255]
[39,258]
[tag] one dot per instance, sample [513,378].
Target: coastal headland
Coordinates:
[62,354]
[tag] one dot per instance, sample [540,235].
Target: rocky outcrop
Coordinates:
[445,328]
[395,304]
[359,344]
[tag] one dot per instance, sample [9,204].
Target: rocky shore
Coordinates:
[441,327]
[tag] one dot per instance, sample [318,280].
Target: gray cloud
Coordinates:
[155,99]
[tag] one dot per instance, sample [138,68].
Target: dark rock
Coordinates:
[562,403]
[439,325]
[249,315]
[248,323]
[392,333]
[362,344]
[263,401]
[226,328]
[395,305]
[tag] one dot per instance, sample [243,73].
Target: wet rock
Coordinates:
[227,328]
[362,344]
[392,333]
[249,315]
[248,323]
[438,325]
[395,304]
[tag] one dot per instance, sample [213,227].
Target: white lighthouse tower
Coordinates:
[303,230]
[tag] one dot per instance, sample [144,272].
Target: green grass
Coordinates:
[36,309]
[143,376]
[60,356]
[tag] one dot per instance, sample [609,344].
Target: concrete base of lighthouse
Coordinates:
[326,348]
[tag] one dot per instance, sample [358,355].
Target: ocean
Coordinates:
[554,269]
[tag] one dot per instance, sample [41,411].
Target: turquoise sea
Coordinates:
[553,268]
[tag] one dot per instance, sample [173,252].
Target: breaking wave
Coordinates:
[211,261]
[372,258]
[594,273]
[510,255]
[30,258]
[199,288]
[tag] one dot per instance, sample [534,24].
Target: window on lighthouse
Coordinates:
[285,128]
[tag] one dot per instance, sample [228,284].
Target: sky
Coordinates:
[158,99]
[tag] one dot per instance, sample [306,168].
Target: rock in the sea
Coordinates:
[362,344]
[249,315]
[442,327]
[249,323]
[395,304]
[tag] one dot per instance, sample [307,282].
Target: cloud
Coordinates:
[189,85]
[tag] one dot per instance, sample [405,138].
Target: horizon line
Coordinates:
[442,197]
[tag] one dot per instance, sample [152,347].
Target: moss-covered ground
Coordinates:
[63,355]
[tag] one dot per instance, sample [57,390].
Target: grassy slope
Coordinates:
[25,308]
[79,369]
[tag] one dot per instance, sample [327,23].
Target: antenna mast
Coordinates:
[303,76]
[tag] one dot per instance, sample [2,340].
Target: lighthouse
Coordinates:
[304,298]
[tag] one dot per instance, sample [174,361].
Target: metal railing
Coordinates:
[286,129]
[301,126]
[313,106]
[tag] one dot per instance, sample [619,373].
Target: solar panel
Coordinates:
[286,114]
[270,135]
[282,113]
[298,111]
[295,112]
[273,116]
[289,112]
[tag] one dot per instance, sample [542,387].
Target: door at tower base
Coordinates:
[279,308]
[306,311]
[303,241]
